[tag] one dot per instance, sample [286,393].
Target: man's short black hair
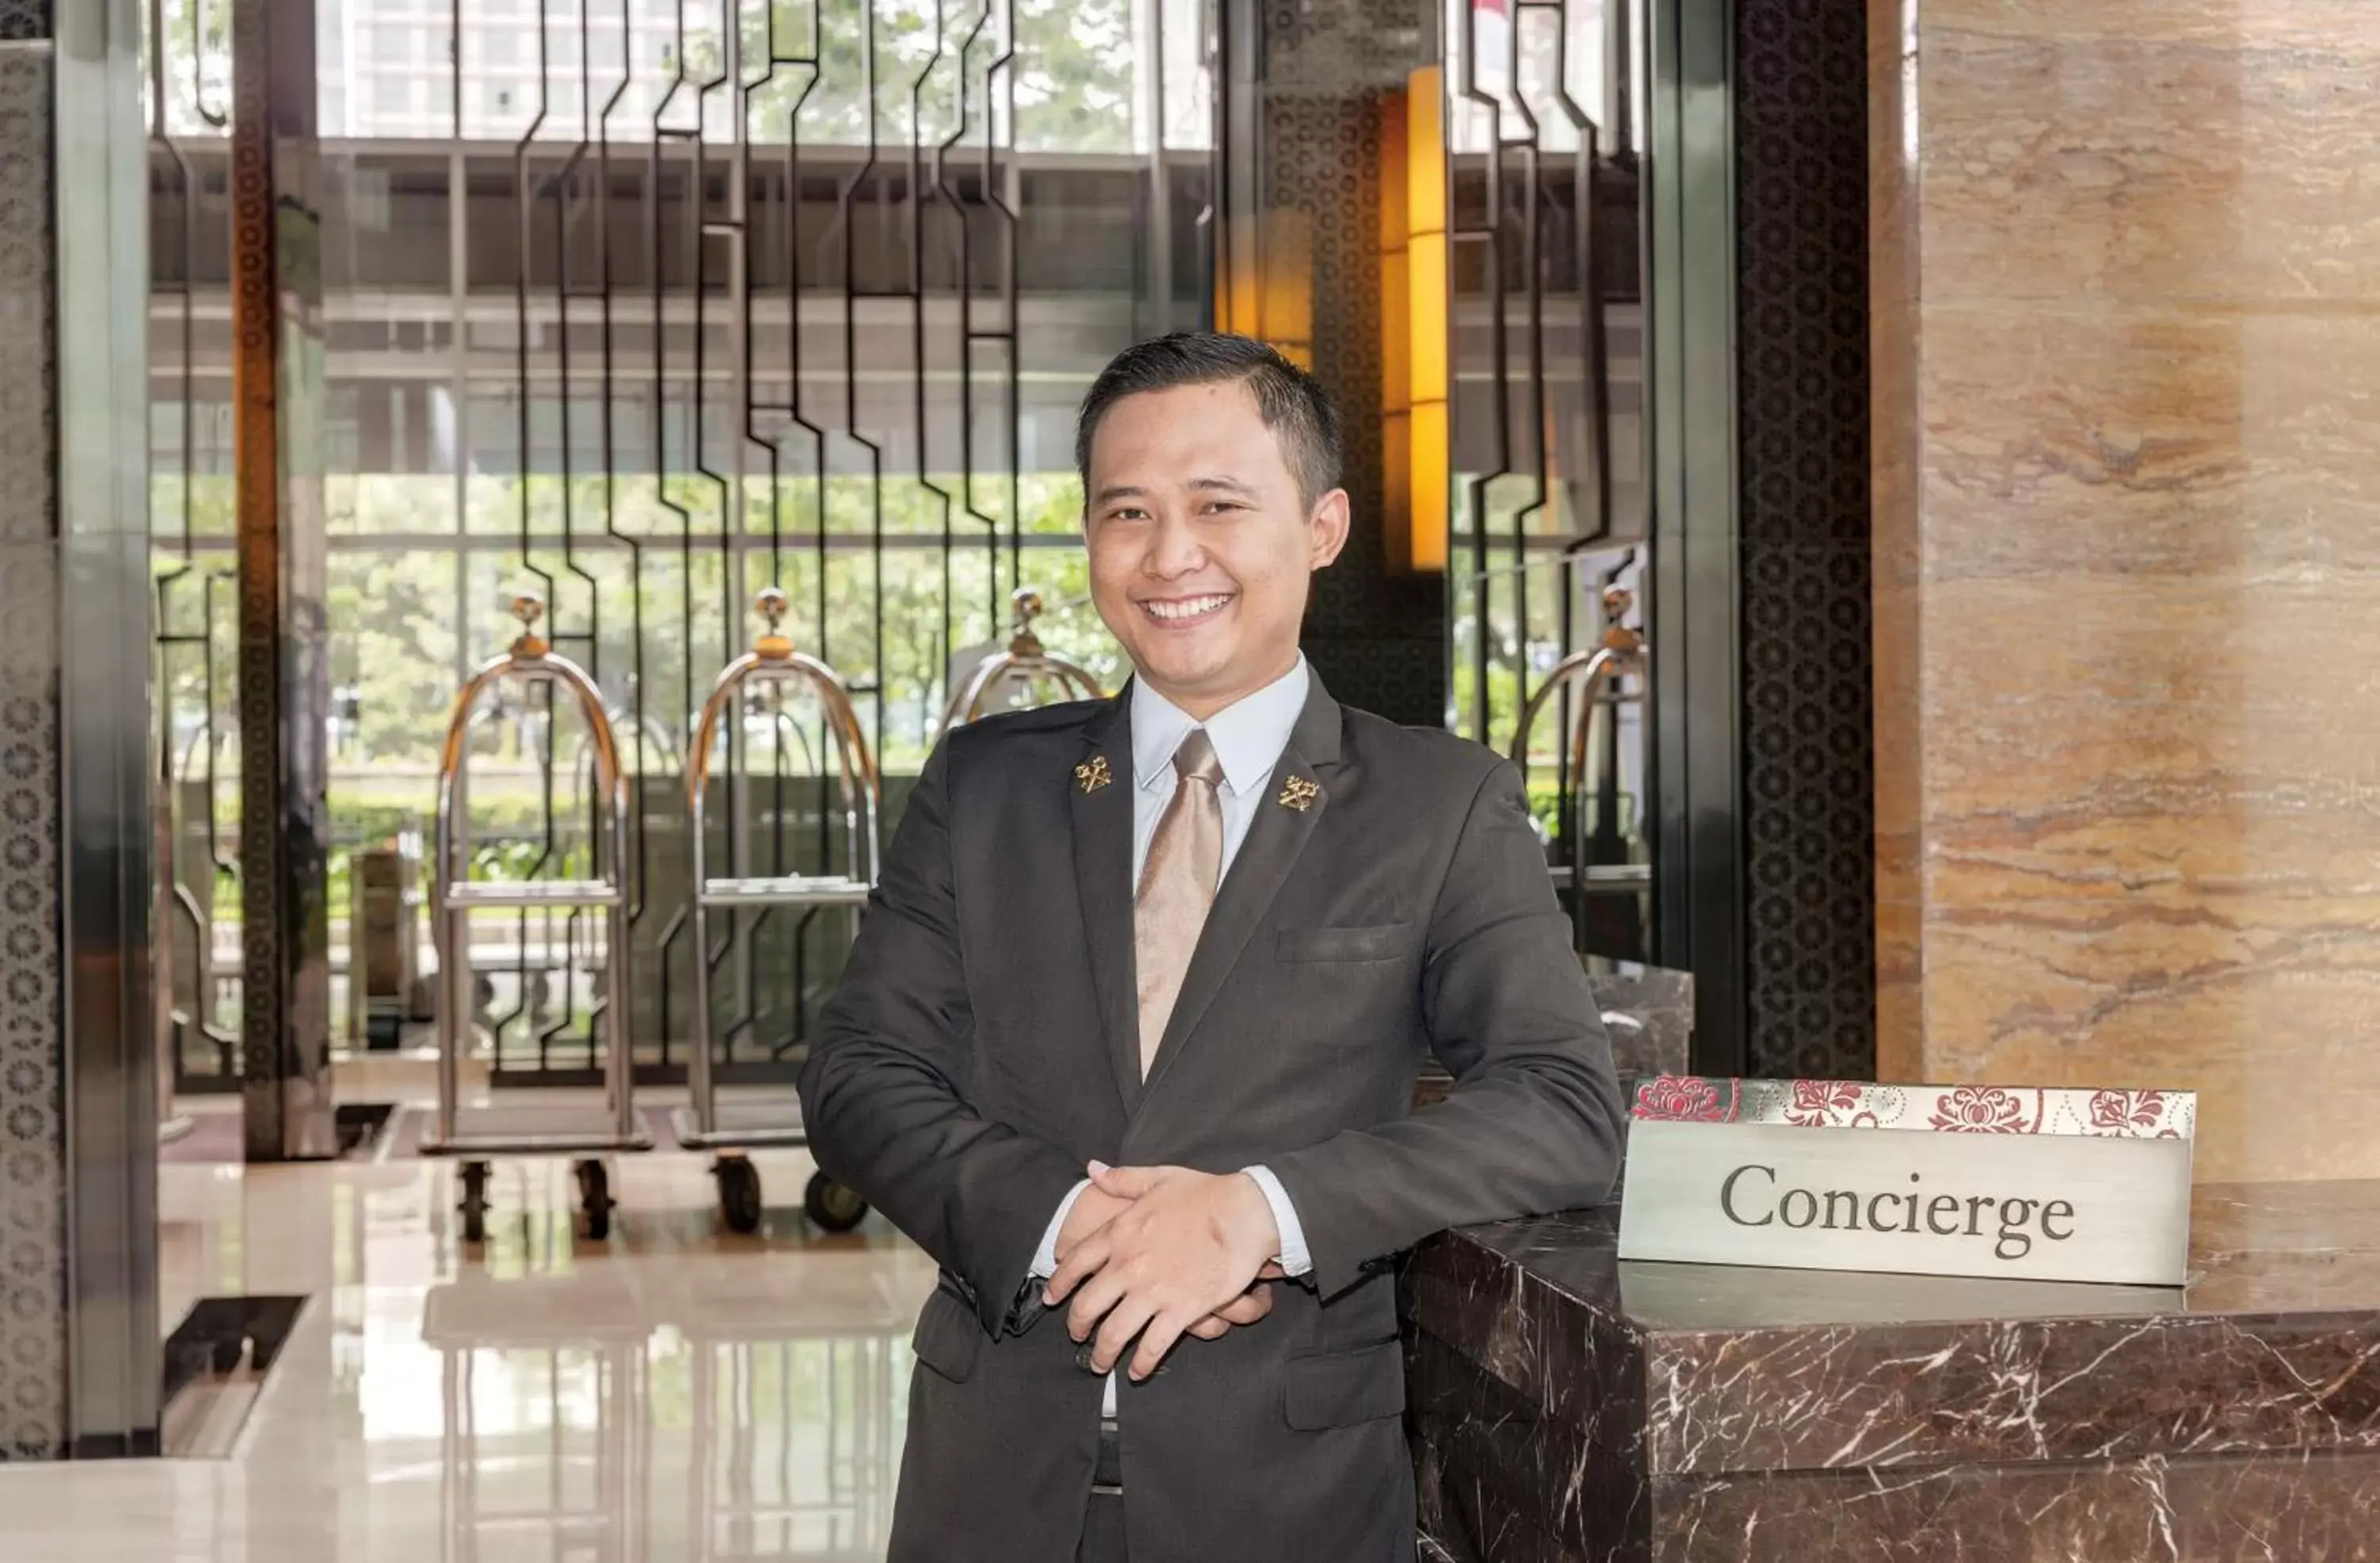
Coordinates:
[1292,402]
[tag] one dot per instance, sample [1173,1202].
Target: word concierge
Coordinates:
[1750,1197]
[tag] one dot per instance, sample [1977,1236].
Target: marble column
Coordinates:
[2127,561]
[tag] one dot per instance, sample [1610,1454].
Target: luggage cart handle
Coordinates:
[1025,660]
[772,660]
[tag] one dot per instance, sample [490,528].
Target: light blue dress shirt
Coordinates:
[1248,736]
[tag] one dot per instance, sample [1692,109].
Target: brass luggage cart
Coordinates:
[454,895]
[1026,662]
[212,965]
[730,1129]
[1598,672]
[171,1126]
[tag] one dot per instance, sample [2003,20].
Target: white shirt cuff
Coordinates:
[1294,1259]
[1045,1258]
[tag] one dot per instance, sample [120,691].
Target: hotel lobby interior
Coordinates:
[519,496]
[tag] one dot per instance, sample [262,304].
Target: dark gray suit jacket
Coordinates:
[983,1045]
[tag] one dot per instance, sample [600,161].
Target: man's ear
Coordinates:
[1326,527]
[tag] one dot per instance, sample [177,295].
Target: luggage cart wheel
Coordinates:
[474,1207]
[739,1193]
[595,1199]
[831,1206]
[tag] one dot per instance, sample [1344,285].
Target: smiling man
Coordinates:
[1129,1037]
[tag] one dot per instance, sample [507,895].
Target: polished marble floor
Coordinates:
[672,1394]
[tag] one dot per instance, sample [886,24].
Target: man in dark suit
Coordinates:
[1129,1037]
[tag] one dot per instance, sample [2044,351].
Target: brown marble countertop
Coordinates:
[2274,1345]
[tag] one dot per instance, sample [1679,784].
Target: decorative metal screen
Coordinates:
[190,115]
[644,306]
[1550,508]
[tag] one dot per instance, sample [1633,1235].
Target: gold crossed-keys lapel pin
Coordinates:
[1297,792]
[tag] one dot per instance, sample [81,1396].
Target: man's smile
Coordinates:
[1178,613]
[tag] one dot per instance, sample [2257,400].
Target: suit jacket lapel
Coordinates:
[1276,836]
[1102,815]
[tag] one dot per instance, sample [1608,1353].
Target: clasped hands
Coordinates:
[1158,1253]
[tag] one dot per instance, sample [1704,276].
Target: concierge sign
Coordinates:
[1925,1179]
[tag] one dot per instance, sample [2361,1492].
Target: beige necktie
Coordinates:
[1177,884]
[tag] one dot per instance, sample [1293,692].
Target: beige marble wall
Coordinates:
[2127,432]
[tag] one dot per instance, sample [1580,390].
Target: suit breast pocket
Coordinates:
[1381,941]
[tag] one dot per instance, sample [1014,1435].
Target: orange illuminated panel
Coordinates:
[1414,324]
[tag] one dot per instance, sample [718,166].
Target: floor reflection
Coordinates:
[669,1395]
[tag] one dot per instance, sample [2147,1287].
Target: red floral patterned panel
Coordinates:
[1946,1110]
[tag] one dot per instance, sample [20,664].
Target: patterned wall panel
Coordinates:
[1377,640]
[1808,817]
[254,306]
[24,19]
[33,1134]
[283,689]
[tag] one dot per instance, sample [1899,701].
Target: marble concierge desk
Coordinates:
[1566,1406]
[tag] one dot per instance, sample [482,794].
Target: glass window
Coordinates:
[899,498]
[1078,71]
[1540,75]
[390,44]
[1080,76]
